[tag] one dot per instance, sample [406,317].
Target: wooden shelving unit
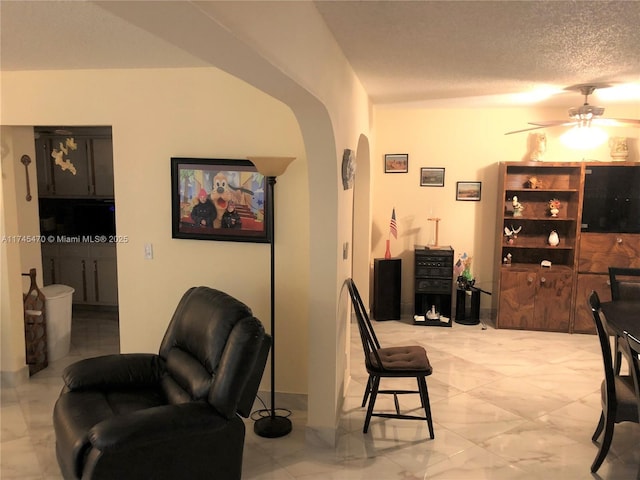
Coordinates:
[533,297]
[530,296]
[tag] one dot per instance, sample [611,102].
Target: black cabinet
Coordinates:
[464,315]
[387,276]
[433,282]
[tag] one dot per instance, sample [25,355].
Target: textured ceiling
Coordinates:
[453,52]
[50,35]
[425,50]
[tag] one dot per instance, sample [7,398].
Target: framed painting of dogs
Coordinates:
[219,199]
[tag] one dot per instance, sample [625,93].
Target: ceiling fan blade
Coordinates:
[616,122]
[549,124]
[553,123]
[525,130]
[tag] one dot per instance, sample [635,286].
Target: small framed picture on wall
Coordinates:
[432,177]
[468,191]
[396,163]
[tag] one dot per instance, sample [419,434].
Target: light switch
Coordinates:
[148,251]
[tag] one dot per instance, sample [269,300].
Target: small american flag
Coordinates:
[393,227]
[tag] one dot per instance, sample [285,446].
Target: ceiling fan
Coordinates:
[583,116]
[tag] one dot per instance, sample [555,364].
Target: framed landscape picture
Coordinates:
[432,177]
[219,199]
[396,163]
[468,191]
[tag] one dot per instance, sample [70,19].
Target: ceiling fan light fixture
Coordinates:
[584,117]
[583,137]
[585,114]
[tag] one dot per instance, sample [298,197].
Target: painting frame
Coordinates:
[432,177]
[468,191]
[233,188]
[396,163]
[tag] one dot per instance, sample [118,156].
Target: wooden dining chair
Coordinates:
[618,395]
[633,344]
[625,285]
[395,362]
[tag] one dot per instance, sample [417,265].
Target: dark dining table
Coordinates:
[623,317]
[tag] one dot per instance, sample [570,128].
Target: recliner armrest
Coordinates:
[108,371]
[166,423]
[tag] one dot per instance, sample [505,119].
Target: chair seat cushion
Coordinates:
[75,413]
[402,359]
[627,410]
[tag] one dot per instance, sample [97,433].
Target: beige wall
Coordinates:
[157,114]
[14,210]
[313,77]
[468,143]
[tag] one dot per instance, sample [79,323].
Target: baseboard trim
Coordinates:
[15,378]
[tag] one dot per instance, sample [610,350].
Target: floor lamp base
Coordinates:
[272,426]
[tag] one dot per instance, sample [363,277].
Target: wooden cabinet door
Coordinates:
[535,300]
[599,251]
[43,167]
[104,273]
[517,299]
[65,182]
[583,317]
[50,264]
[106,281]
[553,301]
[89,268]
[49,270]
[102,167]
[75,271]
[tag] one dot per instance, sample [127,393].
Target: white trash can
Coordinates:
[58,299]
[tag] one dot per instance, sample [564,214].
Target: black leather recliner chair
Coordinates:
[168,416]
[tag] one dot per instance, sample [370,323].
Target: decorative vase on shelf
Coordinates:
[553,240]
[554,207]
[387,253]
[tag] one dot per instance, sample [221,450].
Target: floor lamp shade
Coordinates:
[274,425]
[271,166]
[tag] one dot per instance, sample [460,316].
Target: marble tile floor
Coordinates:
[506,405]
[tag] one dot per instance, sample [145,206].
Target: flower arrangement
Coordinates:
[462,270]
[554,207]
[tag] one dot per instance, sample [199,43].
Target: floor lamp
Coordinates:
[274,425]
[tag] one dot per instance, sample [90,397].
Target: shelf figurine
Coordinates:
[554,240]
[538,142]
[554,207]
[618,148]
[517,207]
[533,183]
[511,234]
